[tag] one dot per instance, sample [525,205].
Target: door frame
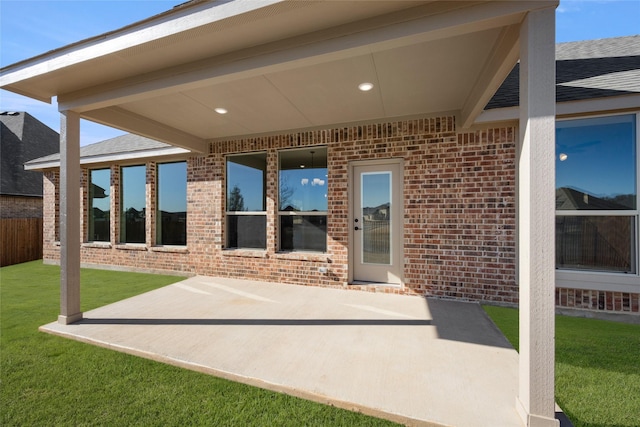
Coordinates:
[399,162]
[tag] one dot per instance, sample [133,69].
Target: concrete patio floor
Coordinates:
[413,360]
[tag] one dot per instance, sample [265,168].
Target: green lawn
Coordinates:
[597,368]
[50,381]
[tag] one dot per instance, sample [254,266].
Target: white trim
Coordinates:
[167,24]
[629,212]
[494,72]
[113,157]
[246,213]
[302,213]
[598,281]
[611,105]
[607,280]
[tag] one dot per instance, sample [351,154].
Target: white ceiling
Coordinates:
[416,79]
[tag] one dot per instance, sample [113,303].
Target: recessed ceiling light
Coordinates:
[221,110]
[365,87]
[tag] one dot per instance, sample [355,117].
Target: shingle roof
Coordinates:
[22,138]
[585,70]
[128,143]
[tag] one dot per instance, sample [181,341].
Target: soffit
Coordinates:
[282,66]
[112,58]
[327,93]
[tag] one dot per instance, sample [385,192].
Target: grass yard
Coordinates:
[597,368]
[49,381]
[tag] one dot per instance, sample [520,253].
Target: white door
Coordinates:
[377,223]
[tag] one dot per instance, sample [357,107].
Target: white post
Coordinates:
[69,218]
[536,219]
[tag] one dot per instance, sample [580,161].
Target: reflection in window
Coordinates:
[600,243]
[596,171]
[376,217]
[132,204]
[303,199]
[171,218]
[246,201]
[99,205]
[596,163]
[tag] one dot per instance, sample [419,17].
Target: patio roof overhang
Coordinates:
[285,65]
[281,65]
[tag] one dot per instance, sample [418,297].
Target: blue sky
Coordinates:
[31,27]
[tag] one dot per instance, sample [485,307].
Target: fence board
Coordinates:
[20,240]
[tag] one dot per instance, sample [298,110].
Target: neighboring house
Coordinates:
[22,138]
[302,121]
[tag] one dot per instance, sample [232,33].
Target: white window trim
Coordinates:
[600,280]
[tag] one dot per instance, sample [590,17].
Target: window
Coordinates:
[596,194]
[171,227]
[246,201]
[302,203]
[99,205]
[132,204]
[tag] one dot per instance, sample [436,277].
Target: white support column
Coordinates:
[536,219]
[69,218]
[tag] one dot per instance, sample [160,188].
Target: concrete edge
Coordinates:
[254,382]
[612,316]
[630,318]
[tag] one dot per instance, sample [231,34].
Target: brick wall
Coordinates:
[20,207]
[459,212]
[583,299]
[50,211]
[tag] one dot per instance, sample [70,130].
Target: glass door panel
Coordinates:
[376,217]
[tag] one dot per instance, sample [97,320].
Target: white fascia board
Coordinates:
[498,115]
[497,68]
[167,24]
[598,105]
[589,106]
[598,281]
[111,158]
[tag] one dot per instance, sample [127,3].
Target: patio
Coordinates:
[409,359]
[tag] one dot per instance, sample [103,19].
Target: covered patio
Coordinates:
[408,359]
[284,66]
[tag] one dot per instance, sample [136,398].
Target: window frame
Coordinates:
[120,239]
[228,213]
[609,280]
[90,198]
[158,217]
[280,213]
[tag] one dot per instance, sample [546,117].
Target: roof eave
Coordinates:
[38,165]
[187,16]
[627,102]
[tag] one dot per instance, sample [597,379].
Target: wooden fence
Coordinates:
[20,240]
